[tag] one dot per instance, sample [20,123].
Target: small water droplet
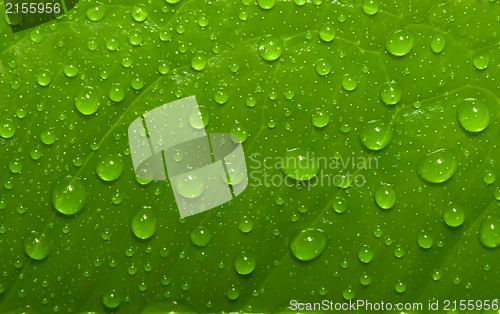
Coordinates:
[425,240]
[201,236]
[385,196]
[139,14]
[44,78]
[480,61]
[437,43]
[489,232]
[144,223]
[116,92]
[111,299]
[97,13]
[349,82]
[391,93]
[266,4]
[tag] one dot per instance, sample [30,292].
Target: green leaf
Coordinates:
[340,83]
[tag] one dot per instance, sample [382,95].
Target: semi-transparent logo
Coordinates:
[205,170]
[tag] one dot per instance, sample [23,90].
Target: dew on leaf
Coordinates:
[143,223]
[137,83]
[71,70]
[349,82]
[246,225]
[453,215]
[201,236]
[370,7]
[139,14]
[327,32]
[233,293]
[266,4]
[438,166]
[244,263]
[87,100]
[199,61]
[365,254]
[36,245]
[323,67]
[480,61]
[438,43]
[425,240]
[44,78]
[96,13]
[339,205]
[320,118]
[308,244]
[221,97]
[489,232]
[110,167]
[239,132]
[69,195]
[399,43]
[391,93]
[189,185]
[8,128]
[270,48]
[385,196]
[473,115]
[300,164]
[116,92]
[111,299]
[376,134]
[48,137]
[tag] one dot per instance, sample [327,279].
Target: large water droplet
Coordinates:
[365,254]
[270,48]
[480,61]
[244,263]
[97,13]
[199,61]
[376,134]
[201,236]
[110,167]
[438,166]
[327,32]
[139,14]
[308,244]
[7,128]
[349,82]
[300,164]
[87,100]
[189,186]
[425,240]
[69,195]
[233,293]
[391,93]
[339,205]
[323,67]
[144,223]
[111,299]
[44,78]
[385,196]
[399,43]
[489,232]
[453,215]
[116,92]
[437,43]
[266,4]
[370,7]
[36,245]
[473,115]
[320,118]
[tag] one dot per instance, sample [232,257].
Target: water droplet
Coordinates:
[221,97]
[97,13]
[489,177]
[137,83]
[400,286]
[189,185]
[425,240]
[300,164]
[48,137]
[246,225]
[36,245]
[112,44]
[349,82]
[320,118]
[163,68]
[327,32]
[480,61]
[489,232]
[37,36]
[233,293]
[370,7]
[199,119]
[244,263]
[110,167]
[339,205]
[266,4]
[308,244]
[70,70]
[139,14]
[8,128]
[111,299]
[69,195]
[365,279]
[438,166]
[453,215]
[202,20]
[391,93]
[323,67]
[365,254]
[398,251]
[270,48]
[144,223]
[376,134]
[135,38]
[385,196]
[199,61]
[87,100]
[437,43]
[399,43]
[250,101]
[473,115]
[201,236]
[349,293]
[44,78]
[116,92]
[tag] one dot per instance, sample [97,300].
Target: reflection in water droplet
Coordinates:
[244,263]
[69,195]
[116,92]
[201,236]
[323,67]
[144,223]
[139,14]
[111,299]
[473,115]
[365,254]
[87,100]
[110,167]
[300,164]
[308,244]
[199,61]
[327,32]
[437,43]
[399,43]
[453,215]
[270,48]
[480,61]
[489,232]
[320,118]
[339,205]
[391,93]
[437,167]
[385,196]
[36,245]
[425,240]
[44,78]
[376,134]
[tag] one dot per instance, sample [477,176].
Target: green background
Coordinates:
[88,251]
